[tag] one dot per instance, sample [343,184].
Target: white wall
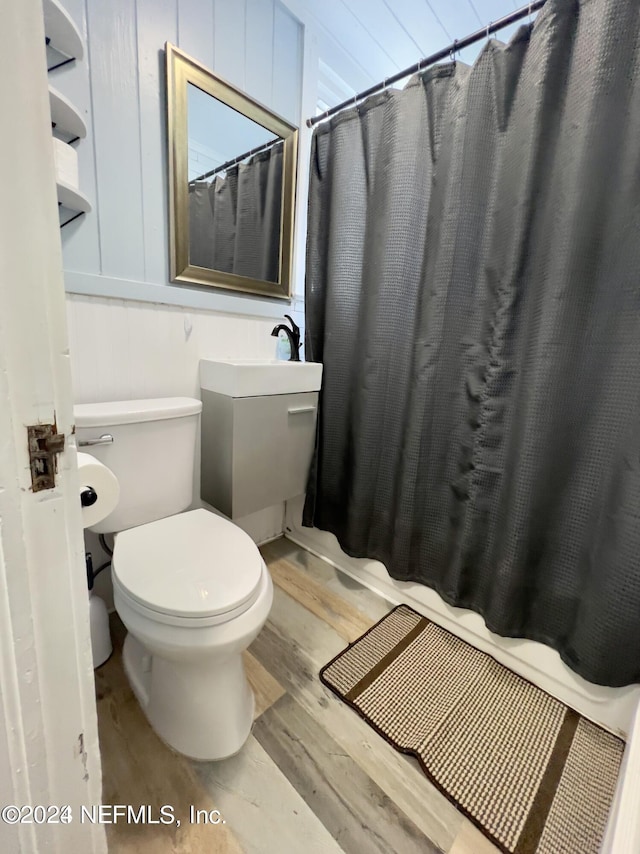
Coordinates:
[123,349]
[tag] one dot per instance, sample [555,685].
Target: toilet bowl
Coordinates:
[190,587]
[193,593]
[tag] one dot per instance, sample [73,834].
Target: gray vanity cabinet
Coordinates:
[256,451]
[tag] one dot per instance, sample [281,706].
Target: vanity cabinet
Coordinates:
[256,450]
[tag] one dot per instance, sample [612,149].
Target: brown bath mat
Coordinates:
[531,773]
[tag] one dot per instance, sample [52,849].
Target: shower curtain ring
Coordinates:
[488,28]
[452,52]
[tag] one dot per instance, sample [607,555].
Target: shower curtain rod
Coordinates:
[450,51]
[235,160]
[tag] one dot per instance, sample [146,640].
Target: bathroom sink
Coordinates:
[252,377]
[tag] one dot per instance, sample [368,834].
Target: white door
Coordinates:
[48,735]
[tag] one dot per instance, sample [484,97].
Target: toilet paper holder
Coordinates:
[105,439]
[88,496]
[99,487]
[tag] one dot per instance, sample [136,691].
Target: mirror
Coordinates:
[232,165]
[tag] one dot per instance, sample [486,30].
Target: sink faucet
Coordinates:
[293,335]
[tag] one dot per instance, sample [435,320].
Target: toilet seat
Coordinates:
[193,567]
[121,596]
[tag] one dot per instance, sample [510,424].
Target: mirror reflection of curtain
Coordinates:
[234,221]
[201,243]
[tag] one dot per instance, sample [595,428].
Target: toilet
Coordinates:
[190,587]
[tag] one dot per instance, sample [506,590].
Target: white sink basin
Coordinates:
[252,378]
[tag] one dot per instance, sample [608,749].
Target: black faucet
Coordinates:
[293,335]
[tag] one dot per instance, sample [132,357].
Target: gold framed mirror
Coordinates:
[232,183]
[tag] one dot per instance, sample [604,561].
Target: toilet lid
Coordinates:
[194,564]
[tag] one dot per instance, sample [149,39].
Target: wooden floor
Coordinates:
[313,777]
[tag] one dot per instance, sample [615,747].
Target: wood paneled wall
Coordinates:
[122,348]
[256,45]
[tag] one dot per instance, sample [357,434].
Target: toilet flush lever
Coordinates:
[105,439]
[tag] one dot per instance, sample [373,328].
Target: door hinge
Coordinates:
[44,444]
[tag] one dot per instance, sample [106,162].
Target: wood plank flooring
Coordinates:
[313,776]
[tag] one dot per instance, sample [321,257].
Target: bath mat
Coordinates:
[531,773]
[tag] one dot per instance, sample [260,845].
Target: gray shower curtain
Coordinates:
[234,220]
[473,290]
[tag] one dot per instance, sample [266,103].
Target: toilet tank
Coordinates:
[152,455]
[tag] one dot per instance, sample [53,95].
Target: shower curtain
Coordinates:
[234,221]
[473,291]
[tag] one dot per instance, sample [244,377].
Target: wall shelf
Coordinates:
[64,37]
[60,30]
[71,198]
[65,116]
